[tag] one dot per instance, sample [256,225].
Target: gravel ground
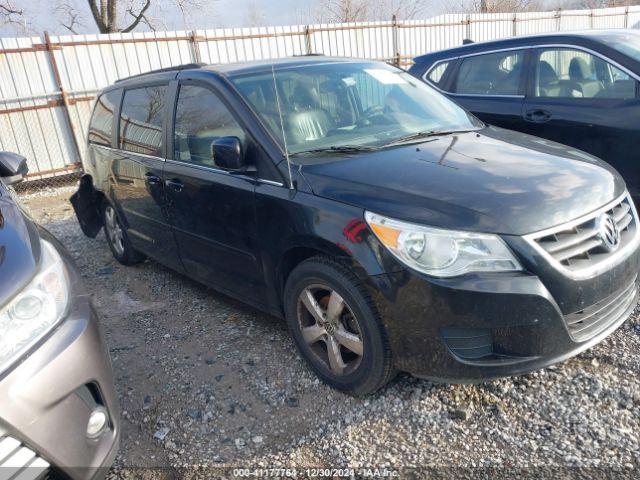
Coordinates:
[206,381]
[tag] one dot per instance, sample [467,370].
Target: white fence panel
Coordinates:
[47,85]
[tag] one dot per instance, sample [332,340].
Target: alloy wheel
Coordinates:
[330,329]
[114,231]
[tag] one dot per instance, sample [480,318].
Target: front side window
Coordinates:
[491,74]
[101,126]
[572,73]
[348,104]
[141,120]
[201,118]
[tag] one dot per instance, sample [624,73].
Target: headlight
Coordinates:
[36,309]
[442,253]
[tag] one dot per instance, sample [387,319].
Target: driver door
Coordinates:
[211,210]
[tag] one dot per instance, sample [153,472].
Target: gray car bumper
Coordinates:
[46,400]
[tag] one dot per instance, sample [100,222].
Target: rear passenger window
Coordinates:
[101,126]
[491,74]
[141,120]
[201,118]
[571,73]
[436,74]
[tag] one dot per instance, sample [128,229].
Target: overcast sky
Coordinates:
[47,15]
[42,15]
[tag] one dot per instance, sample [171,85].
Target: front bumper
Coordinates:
[46,399]
[478,327]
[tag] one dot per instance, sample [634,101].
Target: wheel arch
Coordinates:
[307,247]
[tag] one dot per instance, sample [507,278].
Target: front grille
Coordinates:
[580,246]
[589,322]
[18,462]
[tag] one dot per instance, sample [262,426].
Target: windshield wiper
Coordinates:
[425,134]
[338,149]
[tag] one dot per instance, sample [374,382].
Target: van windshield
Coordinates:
[350,105]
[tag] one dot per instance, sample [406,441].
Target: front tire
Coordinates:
[117,237]
[336,327]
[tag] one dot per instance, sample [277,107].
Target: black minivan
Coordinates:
[392,229]
[581,89]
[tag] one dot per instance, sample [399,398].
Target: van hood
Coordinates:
[19,247]
[490,180]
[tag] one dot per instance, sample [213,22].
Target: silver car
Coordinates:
[58,406]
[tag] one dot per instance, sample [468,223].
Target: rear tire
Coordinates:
[336,327]
[117,237]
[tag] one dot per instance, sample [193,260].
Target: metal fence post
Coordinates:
[195,48]
[558,19]
[591,19]
[626,17]
[468,27]
[394,36]
[63,93]
[307,40]
[515,25]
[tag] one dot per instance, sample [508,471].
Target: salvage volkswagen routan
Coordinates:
[391,228]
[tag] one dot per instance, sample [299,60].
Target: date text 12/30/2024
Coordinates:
[315,473]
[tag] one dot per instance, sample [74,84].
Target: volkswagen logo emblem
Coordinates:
[608,232]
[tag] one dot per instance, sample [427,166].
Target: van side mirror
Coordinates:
[227,153]
[13,168]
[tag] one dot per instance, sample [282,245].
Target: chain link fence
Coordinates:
[48,83]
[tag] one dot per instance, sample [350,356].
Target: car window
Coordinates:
[201,118]
[491,74]
[101,126]
[436,74]
[350,104]
[141,120]
[572,73]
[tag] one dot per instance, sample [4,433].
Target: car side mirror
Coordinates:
[13,168]
[227,153]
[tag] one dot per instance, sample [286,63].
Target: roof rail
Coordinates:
[176,68]
[467,41]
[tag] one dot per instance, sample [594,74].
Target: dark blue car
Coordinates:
[579,88]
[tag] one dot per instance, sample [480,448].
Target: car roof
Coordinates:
[233,69]
[257,66]
[585,36]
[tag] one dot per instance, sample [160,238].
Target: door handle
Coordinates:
[174,184]
[537,116]
[152,179]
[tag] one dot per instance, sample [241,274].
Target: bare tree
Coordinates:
[105,14]
[254,17]
[505,6]
[492,6]
[341,11]
[10,14]
[111,16]
[338,11]
[401,9]
[594,3]
[69,17]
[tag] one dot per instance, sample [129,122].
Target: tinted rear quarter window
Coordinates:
[437,73]
[491,74]
[141,120]
[101,126]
